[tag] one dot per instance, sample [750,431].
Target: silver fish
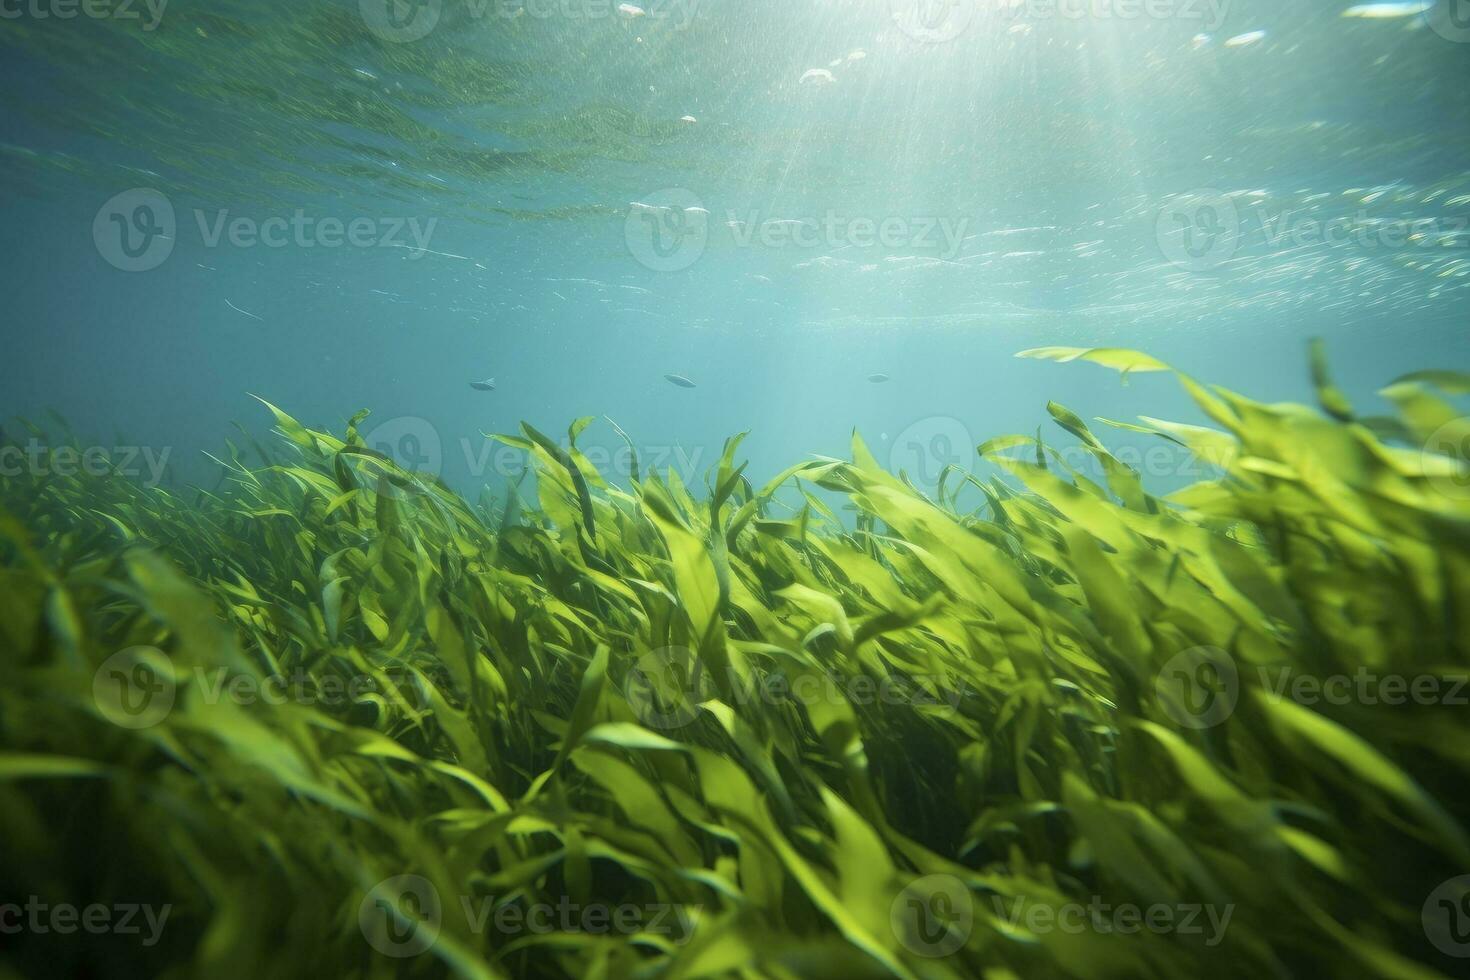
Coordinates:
[679,379]
[487,385]
[1386,11]
[877,379]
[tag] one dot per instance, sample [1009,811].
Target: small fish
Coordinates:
[1244,40]
[1386,11]
[679,379]
[487,385]
[877,379]
[817,76]
[244,312]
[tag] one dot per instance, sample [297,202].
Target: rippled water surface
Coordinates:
[339,205]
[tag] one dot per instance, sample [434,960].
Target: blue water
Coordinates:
[540,155]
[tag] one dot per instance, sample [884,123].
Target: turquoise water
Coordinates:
[917,190]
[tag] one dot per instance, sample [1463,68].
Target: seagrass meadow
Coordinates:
[328,718]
